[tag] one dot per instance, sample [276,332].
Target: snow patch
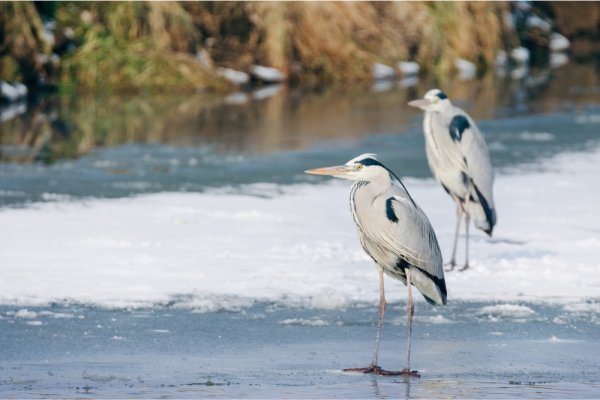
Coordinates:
[328,299]
[309,322]
[226,249]
[23,381]
[554,339]
[438,319]
[24,313]
[536,136]
[506,310]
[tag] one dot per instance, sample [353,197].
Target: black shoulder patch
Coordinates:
[490,213]
[457,127]
[389,210]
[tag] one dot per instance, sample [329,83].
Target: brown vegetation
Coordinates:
[21,40]
[339,41]
[134,45]
[139,45]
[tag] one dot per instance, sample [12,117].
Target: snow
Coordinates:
[383,72]
[237,77]
[408,68]
[558,42]
[266,74]
[507,310]
[309,322]
[297,246]
[24,313]
[521,55]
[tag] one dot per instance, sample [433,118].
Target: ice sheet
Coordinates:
[298,247]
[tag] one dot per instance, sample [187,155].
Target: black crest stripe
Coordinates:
[369,161]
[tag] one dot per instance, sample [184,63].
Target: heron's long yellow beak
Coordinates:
[333,171]
[419,103]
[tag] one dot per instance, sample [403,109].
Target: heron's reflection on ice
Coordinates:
[402,382]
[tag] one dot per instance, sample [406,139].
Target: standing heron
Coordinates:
[396,234]
[459,159]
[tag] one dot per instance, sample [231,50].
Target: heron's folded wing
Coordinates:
[407,232]
[474,149]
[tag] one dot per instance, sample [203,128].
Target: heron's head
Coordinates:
[362,168]
[434,100]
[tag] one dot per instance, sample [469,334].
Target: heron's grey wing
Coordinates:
[471,143]
[405,230]
[444,155]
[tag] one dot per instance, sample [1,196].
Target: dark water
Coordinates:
[462,350]
[64,147]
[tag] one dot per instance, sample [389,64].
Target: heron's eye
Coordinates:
[436,99]
[359,166]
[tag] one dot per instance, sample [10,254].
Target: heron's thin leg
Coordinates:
[381,312]
[467,220]
[459,213]
[410,310]
[373,368]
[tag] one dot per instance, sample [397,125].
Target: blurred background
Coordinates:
[111,99]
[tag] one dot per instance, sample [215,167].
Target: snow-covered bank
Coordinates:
[211,251]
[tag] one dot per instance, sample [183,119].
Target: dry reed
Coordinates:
[139,45]
[21,40]
[134,45]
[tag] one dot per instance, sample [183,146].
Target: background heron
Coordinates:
[396,234]
[459,159]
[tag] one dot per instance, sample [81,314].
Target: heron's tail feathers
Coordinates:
[482,213]
[432,288]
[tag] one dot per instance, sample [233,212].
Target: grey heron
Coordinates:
[459,159]
[396,234]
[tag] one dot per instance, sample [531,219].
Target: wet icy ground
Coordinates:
[481,349]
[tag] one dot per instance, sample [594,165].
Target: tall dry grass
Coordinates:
[139,45]
[135,45]
[21,40]
[339,41]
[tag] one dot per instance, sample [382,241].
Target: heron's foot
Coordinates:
[413,373]
[368,370]
[452,264]
[374,369]
[465,267]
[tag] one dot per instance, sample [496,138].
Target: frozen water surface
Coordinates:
[460,349]
[187,271]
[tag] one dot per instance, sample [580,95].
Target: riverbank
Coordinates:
[215,46]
